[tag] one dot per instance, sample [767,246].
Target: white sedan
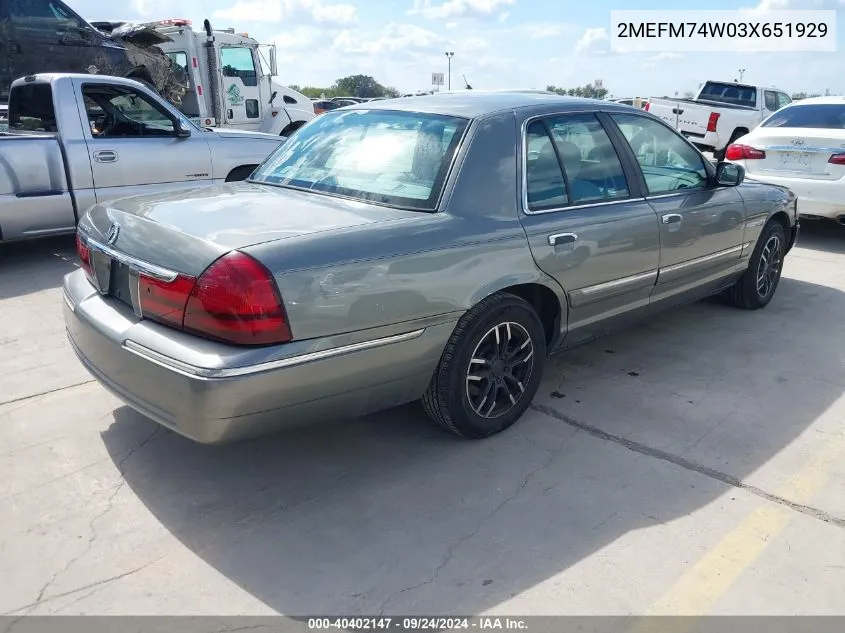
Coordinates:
[802,147]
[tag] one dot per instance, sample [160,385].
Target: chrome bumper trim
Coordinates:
[193,371]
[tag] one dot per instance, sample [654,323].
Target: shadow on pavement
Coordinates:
[388,513]
[34,265]
[821,235]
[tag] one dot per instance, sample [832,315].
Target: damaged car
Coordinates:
[48,36]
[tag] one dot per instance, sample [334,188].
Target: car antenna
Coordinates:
[466,82]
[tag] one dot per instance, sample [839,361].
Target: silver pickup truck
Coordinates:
[77,140]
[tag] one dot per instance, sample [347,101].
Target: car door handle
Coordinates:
[672,218]
[105,156]
[562,238]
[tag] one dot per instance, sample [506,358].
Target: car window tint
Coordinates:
[31,109]
[668,163]
[593,169]
[123,112]
[544,178]
[237,62]
[771,100]
[829,116]
[394,158]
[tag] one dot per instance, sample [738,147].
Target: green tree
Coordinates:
[587,90]
[362,86]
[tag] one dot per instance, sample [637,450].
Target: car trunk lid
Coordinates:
[186,230]
[796,153]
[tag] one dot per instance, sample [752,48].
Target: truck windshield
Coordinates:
[733,94]
[827,116]
[394,158]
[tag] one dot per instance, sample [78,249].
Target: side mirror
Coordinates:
[182,129]
[274,71]
[729,174]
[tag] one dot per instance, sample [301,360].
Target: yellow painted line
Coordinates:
[697,591]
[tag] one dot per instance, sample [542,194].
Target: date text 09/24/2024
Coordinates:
[416,623]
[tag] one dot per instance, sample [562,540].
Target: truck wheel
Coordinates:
[756,287]
[240,173]
[490,369]
[720,155]
[291,128]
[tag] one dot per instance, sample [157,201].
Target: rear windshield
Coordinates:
[398,159]
[733,94]
[829,116]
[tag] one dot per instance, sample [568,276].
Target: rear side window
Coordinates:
[592,171]
[829,116]
[31,109]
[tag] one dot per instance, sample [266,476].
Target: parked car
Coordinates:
[324,105]
[75,140]
[720,113]
[801,147]
[412,249]
[41,36]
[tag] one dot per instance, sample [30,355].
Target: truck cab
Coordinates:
[229,82]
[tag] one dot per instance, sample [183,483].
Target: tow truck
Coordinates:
[229,81]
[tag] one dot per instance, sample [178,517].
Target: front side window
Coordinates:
[783,99]
[115,111]
[828,116]
[180,65]
[396,158]
[237,61]
[667,161]
[771,100]
[45,15]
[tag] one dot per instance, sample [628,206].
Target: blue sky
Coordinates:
[497,43]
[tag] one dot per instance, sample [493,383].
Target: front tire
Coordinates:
[490,369]
[756,287]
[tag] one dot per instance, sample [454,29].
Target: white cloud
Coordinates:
[277,10]
[594,41]
[392,38]
[781,5]
[298,38]
[665,55]
[503,16]
[451,25]
[457,8]
[541,30]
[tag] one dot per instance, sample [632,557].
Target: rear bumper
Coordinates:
[154,371]
[816,198]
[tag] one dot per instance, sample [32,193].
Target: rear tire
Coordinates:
[756,287]
[490,369]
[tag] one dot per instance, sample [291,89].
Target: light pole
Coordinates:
[449,55]
[741,73]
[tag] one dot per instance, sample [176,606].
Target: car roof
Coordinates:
[838,100]
[476,103]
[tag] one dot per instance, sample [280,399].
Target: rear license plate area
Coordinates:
[796,161]
[119,286]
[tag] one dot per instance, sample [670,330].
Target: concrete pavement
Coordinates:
[691,464]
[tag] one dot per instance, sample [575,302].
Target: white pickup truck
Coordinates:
[720,113]
[76,140]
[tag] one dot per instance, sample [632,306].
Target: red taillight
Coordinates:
[84,254]
[164,301]
[743,152]
[199,90]
[645,107]
[837,159]
[712,121]
[236,301]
